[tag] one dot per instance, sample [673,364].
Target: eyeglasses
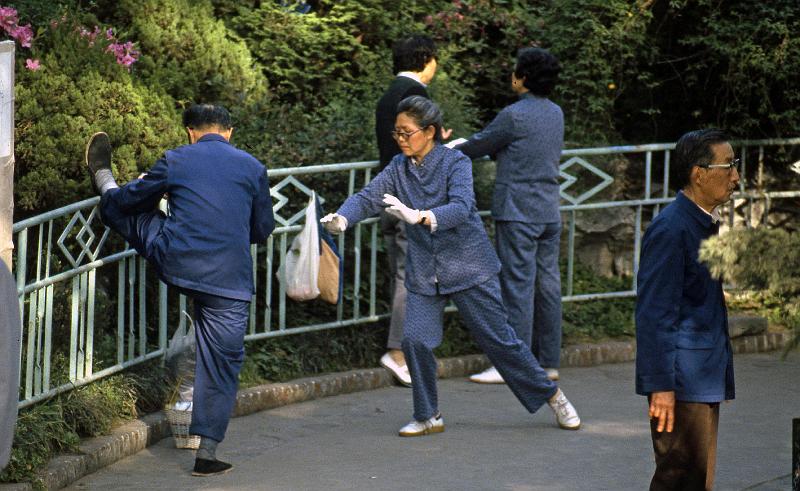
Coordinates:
[404,135]
[728,166]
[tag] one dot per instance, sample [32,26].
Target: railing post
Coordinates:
[6,151]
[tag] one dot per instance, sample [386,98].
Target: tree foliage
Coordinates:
[302,87]
[762,259]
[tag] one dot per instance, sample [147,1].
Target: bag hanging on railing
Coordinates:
[330,264]
[299,274]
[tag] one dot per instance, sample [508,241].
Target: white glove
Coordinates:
[334,223]
[454,143]
[400,210]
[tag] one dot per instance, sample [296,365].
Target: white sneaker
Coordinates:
[566,415]
[400,373]
[552,373]
[420,428]
[488,376]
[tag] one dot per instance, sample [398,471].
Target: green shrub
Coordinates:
[62,104]
[762,259]
[596,41]
[189,53]
[56,425]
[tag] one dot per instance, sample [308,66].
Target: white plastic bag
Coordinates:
[300,272]
[180,359]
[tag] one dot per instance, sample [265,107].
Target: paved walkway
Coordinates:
[349,442]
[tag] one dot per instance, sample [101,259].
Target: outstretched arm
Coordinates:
[143,194]
[498,134]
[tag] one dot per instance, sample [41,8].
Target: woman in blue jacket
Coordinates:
[526,139]
[429,186]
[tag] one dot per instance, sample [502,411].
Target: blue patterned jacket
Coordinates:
[526,140]
[458,255]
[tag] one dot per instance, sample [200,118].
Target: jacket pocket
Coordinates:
[695,340]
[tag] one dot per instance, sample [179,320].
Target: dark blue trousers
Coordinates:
[220,324]
[531,285]
[481,307]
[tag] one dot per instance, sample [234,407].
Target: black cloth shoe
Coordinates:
[205,467]
[98,156]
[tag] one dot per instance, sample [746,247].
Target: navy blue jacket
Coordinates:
[682,341]
[219,204]
[458,255]
[526,140]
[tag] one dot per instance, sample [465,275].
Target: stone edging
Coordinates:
[136,435]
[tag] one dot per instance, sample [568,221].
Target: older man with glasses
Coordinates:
[684,361]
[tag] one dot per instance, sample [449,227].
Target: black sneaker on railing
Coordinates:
[98,156]
[205,467]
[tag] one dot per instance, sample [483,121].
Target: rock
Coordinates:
[746,325]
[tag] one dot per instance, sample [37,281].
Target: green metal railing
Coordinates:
[83,279]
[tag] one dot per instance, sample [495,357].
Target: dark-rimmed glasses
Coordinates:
[404,135]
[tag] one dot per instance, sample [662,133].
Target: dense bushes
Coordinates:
[81,89]
[766,261]
[303,86]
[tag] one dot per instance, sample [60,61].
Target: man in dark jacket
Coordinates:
[219,204]
[684,362]
[414,60]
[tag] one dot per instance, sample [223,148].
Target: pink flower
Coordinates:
[32,65]
[109,33]
[23,34]
[8,18]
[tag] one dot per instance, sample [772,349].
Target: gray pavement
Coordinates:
[349,442]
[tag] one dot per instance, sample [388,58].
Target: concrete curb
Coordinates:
[135,436]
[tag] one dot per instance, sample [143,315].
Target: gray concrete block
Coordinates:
[746,325]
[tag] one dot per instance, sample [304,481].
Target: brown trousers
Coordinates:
[686,458]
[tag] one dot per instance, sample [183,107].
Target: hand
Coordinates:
[446,133]
[334,223]
[401,211]
[662,407]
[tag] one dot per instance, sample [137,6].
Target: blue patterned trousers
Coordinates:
[482,310]
[531,285]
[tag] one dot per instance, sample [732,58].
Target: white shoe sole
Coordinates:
[426,431]
[479,381]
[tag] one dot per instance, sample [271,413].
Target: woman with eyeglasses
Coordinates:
[429,186]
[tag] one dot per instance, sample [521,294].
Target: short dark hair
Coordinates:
[201,116]
[694,148]
[540,69]
[424,112]
[412,53]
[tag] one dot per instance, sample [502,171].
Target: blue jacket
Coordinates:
[219,204]
[526,140]
[458,255]
[682,341]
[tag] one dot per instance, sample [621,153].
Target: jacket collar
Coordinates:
[431,159]
[413,76]
[690,208]
[529,95]
[212,137]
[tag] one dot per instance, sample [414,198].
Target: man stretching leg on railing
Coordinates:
[219,204]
